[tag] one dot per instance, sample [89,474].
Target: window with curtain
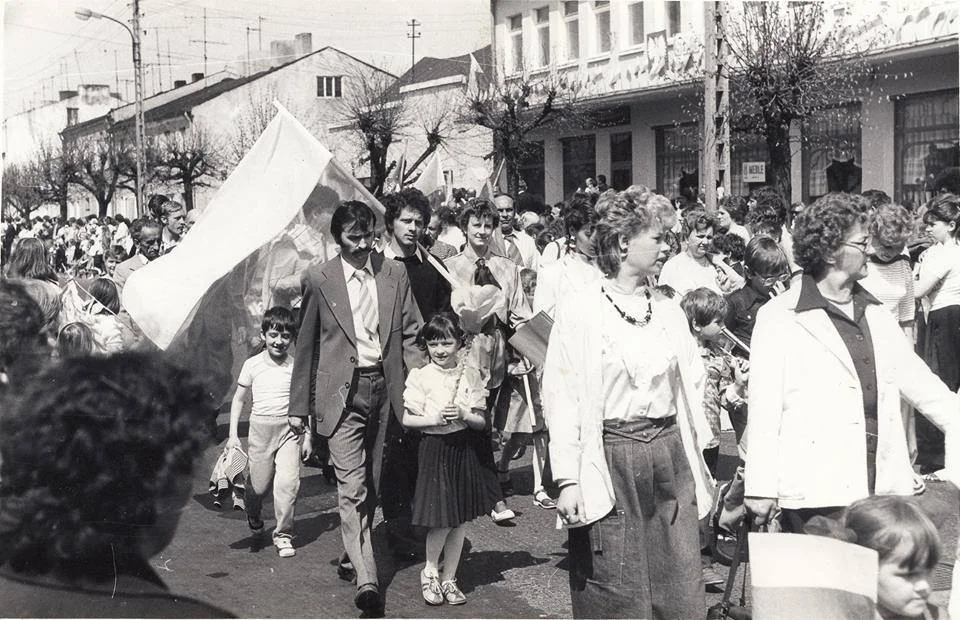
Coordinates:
[832,152]
[542,18]
[926,142]
[678,150]
[515,23]
[637,35]
[579,161]
[571,26]
[601,17]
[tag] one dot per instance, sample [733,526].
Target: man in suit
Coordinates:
[359,323]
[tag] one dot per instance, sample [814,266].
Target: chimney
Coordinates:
[303,43]
[66,94]
[196,77]
[179,83]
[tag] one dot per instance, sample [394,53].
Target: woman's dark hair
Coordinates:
[764,257]
[702,305]
[21,323]
[352,214]
[155,205]
[944,208]
[480,208]
[736,206]
[279,318]
[730,244]
[820,230]
[105,291]
[89,451]
[884,522]
[441,326]
[577,215]
[76,339]
[29,259]
[877,197]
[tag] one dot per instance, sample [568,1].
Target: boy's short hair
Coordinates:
[527,277]
[764,257]
[730,244]
[352,214]
[702,306]
[280,319]
[480,208]
[440,326]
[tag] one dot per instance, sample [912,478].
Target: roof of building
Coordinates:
[160,106]
[428,69]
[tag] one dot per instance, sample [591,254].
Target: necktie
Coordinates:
[483,275]
[368,312]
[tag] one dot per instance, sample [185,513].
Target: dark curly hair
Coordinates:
[617,225]
[393,205]
[944,208]
[820,230]
[91,449]
[480,208]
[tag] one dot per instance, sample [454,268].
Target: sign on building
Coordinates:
[754,172]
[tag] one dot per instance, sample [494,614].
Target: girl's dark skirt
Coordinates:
[454,483]
[643,559]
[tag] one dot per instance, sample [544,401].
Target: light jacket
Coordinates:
[573,399]
[806,442]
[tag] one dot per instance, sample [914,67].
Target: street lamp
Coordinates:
[84,14]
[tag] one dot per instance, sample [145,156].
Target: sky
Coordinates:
[47,49]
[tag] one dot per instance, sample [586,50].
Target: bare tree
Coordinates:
[515,109]
[58,170]
[191,158]
[98,169]
[22,188]
[376,116]
[789,61]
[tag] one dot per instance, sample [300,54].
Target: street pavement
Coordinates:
[518,571]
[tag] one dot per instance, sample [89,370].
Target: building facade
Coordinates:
[635,63]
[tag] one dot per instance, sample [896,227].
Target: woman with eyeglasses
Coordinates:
[829,366]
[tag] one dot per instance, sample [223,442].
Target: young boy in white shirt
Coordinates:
[274,439]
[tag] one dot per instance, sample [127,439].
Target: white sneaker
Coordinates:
[284,547]
[502,516]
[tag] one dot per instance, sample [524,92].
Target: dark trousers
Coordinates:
[942,353]
[356,451]
[643,559]
[400,459]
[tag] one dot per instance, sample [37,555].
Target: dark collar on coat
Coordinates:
[811,299]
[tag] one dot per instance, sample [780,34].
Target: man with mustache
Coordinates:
[359,324]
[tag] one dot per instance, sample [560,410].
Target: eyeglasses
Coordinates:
[863,246]
[771,280]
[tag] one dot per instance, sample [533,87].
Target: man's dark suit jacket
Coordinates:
[326,351]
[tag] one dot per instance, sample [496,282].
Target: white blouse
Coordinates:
[431,388]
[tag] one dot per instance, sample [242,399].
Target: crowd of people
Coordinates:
[817,333]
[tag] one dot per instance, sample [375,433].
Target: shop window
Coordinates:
[926,142]
[678,153]
[621,160]
[531,170]
[832,152]
[579,162]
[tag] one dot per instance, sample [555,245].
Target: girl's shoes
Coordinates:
[452,593]
[430,587]
[541,499]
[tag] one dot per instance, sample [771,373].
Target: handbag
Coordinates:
[725,608]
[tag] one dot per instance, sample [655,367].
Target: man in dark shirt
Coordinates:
[406,214]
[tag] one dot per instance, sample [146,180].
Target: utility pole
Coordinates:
[116,69]
[205,42]
[156,31]
[138,87]
[260,19]
[249,30]
[716,105]
[413,35]
[169,64]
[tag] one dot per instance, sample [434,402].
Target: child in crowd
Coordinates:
[273,442]
[76,339]
[111,333]
[726,376]
[909,548]
[445,400]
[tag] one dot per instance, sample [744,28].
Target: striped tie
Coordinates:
[368,311]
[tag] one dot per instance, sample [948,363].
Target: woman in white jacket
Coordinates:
[829,365]
[622,384]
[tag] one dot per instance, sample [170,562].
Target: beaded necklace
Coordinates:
[632,320]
